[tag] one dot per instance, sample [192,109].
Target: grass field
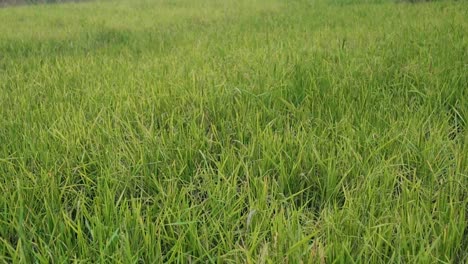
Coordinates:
[209,131]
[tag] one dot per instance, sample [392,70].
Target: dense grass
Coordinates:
[234,131]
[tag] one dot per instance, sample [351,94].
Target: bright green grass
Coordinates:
[141,131]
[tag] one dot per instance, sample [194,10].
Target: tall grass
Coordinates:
[234,131]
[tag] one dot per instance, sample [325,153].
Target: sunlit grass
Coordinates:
[234,131]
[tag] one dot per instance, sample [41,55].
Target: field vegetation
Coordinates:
[209,131]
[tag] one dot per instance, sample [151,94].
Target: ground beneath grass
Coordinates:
[208,131]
